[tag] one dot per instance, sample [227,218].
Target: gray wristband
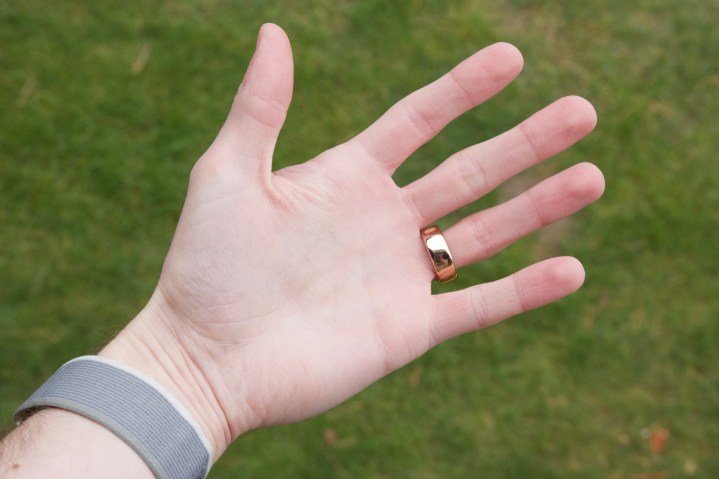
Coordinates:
[133,407]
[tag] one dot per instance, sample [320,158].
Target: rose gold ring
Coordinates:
[439,254]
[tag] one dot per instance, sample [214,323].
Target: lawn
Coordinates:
[107,104]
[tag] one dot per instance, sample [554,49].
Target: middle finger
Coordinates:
[477,170]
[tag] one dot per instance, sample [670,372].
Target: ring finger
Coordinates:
[483,234]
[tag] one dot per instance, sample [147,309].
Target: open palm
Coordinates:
[296,289]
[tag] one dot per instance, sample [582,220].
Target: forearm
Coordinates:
[54,443]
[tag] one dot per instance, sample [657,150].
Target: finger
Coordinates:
[477,170]
[483,234]
[417,118]
[483,305]
[258,112]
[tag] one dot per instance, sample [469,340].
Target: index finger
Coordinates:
[418,117]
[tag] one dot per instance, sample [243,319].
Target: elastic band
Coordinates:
[134,407]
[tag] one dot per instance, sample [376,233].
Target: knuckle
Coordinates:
[263,109]
[419,119]
[485,243]
[480,309]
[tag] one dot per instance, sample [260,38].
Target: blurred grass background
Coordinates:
[107,104]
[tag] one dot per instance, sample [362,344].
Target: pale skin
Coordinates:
[285,293]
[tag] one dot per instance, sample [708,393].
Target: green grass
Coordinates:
[96,145]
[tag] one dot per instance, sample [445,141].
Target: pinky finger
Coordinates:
[483,305]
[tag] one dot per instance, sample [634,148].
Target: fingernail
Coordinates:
[259,37]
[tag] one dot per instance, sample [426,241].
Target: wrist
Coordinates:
[151,345]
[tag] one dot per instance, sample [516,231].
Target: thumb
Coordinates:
[260,106]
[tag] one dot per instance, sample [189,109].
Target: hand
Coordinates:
[285,293]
